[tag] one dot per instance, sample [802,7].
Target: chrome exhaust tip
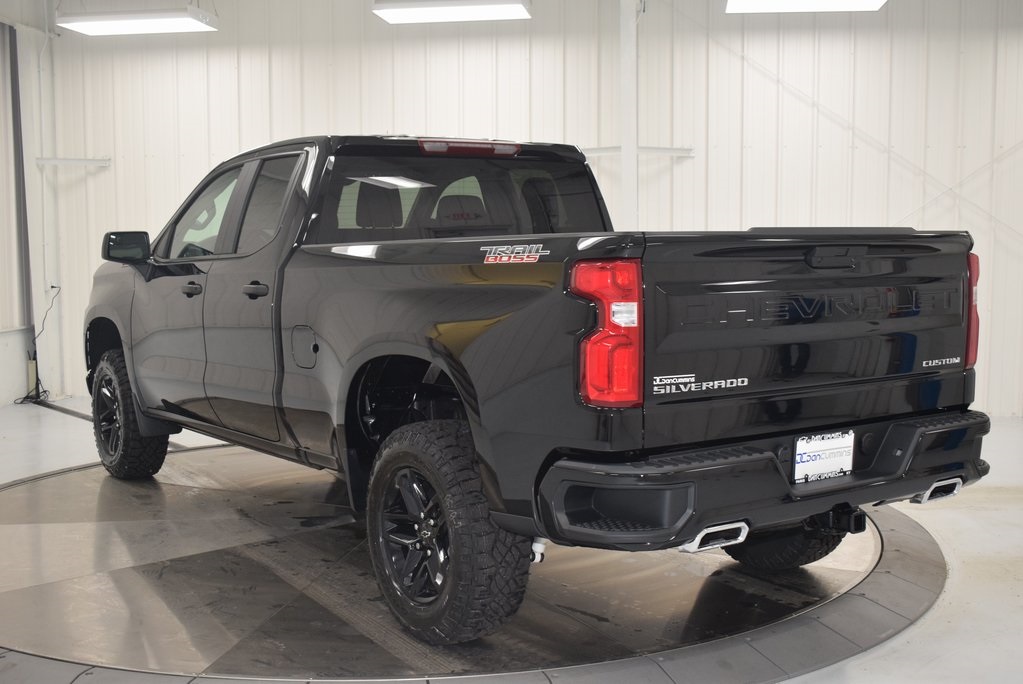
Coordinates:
[939,490]
[716,536]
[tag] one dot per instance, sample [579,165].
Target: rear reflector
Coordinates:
[611,357]
[469,148]
[973,318]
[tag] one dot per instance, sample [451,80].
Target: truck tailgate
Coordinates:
[754,332]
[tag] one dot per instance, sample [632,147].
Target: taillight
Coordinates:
[611,357]
[973,319]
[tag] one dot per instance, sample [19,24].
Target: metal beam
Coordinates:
[20,199]
[71,161]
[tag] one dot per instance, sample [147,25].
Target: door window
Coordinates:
[195,233]
[263,214]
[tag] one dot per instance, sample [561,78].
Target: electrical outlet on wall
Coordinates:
[33,376]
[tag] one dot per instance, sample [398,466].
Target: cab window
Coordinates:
[195,233]
[263,213]
[396,197]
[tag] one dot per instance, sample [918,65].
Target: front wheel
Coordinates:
[124,451]
[448,573]
[772,551]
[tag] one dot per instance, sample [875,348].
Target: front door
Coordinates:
[167,311]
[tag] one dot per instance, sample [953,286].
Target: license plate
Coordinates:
[823,456]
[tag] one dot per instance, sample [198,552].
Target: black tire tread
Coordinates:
[774,551]
[140,457]
[497,561]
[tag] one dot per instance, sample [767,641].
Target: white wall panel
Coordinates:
[797,79]
[690,55]
[760,132]
[724,136]
[834,135]
[511,53]
[583,44]
[547,73]
[909,116]
[869,118]
[30,13]
[655,118]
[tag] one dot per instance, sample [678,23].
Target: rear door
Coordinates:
[241,347]
[752,333]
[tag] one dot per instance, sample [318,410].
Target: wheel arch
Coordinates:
[434,366]
[105,331]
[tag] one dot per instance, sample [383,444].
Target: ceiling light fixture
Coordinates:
[762,6]
[434,11]
[186,20]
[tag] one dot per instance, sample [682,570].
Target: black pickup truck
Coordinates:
[453,327]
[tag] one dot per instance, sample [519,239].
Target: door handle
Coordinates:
[192,289]
[255,289]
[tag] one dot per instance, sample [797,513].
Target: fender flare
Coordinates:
[149,427]
[430,351]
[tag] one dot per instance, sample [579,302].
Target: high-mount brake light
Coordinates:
[611,357]
[973,318]
[469,148]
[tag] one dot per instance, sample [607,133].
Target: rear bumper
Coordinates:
[666,500]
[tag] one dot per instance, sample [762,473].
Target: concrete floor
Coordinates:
[971,634]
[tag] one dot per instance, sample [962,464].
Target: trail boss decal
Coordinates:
[678,384]
[513,254]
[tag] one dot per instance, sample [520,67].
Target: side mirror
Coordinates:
[127,247]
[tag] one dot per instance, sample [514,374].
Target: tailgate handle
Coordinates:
[835,256]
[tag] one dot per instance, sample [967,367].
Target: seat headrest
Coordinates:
[377,207]
[541,195]
[461,210]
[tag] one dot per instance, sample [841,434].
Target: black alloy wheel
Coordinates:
[108,415]
[125,452]
[415,534]
[446,571]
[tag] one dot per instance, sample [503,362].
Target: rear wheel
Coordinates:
[447,572]
[124,451]
[784,549]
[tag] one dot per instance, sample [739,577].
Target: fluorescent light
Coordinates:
[760,6]
[433,11]
[186,20]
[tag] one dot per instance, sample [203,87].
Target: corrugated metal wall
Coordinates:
[910,116]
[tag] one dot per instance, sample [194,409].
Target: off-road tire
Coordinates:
[486,568]
[123,450]
[773,551]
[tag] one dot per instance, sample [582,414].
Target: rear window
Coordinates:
[407,198]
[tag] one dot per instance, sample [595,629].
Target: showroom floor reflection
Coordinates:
[235,563]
